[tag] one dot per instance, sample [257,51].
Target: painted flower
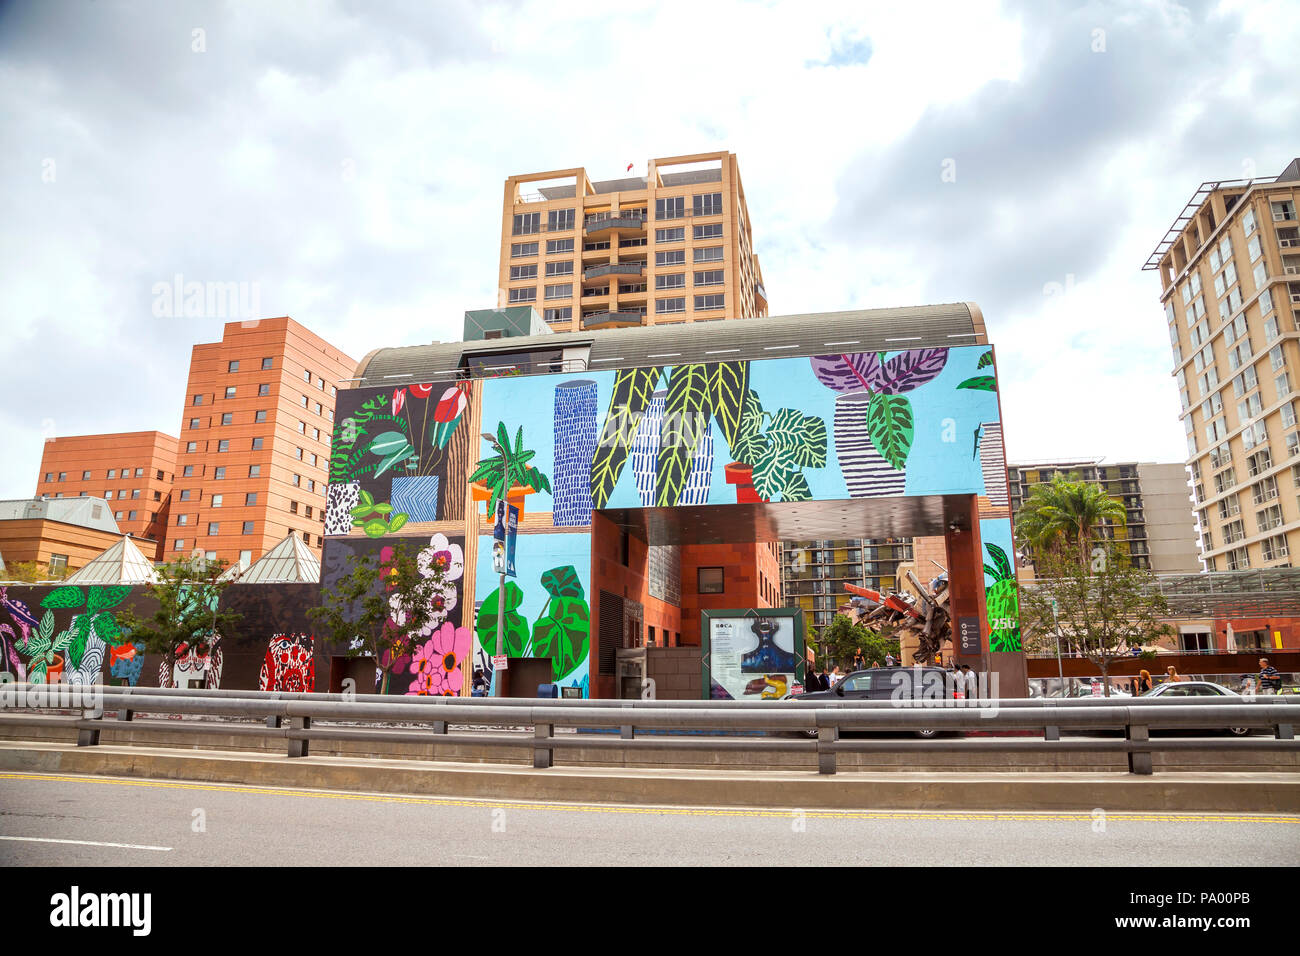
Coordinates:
[399,399]
[443,554]
[437,664]
[421,391]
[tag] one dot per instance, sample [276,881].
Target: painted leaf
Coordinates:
[688,409]
[516,628]
[46,628]
[769,476]
[383,508]
[633,388]
[983,383]
[375,527]
[850,372]
[62,642]
[387,444]
[440,432]
[398,520]
[1000,560]
[992,572]
[729,385]
[360,511]
[107,629]
[986,359]
[910,369]
[403,453]
[79,633]
[890,427]
[802,436]
[563,634]
[563,582]
[101,599]
[67,596]
[365,497]
[36,646]
[796,488]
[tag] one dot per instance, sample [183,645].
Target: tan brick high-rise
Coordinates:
[1230,280]
[671,246]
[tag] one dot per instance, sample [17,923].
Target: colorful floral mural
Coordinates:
[438,664]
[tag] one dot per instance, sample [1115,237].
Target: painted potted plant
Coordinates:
[771,449]
[507,475]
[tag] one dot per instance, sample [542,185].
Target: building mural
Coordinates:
[1001,598]
[289,665]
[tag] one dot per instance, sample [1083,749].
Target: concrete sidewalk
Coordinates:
[1020,791]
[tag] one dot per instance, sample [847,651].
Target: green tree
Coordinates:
[1104,606]
[843,639]
[189,610]
[379,606]
[29,572]
[1066,512]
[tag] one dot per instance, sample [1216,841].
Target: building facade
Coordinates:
[1229,270]
[1159,532]
[253,456]
[61,535]
[672,246]
[814,573]
[132,471]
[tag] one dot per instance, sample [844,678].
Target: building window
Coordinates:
[257,444]
[318,408]
[673,208]
[710,277]
[223,445]
[302,428]
[708,204]
[187,494]
[182,520]
[230,391]
[264,389]
[559,220]
[525,224]
[706,302]
[675,234]
[248,527]
[306,375]
[523,272]
[311,485]
[563,290]
[523,295]
[112,473]
[304,401]
[520,249]
[219,473]
[157,496]
[85,476]
[559,315]
[676,280]
[260,416]
[709,581]
[250,498]
[555,247]
[307,511]
[228,418]
[233,367]
[245,558]
[216,500]
[213,528]
[295,480]
[135,493]
[315,434]
[306,537]
[293,507]
[194,423]
[178,544]
[562,268]
[673,257]
[663,306]
[298,453]
[313,460]
[709,254]
[131,515]
[267,363]
[711,231]
[254,471]
[190,448]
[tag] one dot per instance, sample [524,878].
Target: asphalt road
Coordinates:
[105,821]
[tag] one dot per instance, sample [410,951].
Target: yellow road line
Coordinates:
[923,815]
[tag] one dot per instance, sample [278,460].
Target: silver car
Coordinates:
[1196,688]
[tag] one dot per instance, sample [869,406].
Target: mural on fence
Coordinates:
[434,663]
[289,664]
[392,454]
[1002,600]
[547,606]
[73,654]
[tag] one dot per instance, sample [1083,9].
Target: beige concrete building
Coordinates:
[674,245]
[1229,271]
[1159,531]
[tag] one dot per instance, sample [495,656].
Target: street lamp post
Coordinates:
[1056,626]
[501,585]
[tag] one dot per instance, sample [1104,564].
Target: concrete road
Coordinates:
[106,821]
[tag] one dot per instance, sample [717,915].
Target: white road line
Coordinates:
[121,846]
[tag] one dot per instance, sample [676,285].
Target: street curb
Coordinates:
[1055,791]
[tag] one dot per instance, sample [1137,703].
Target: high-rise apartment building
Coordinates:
[1229,271]
[131,471]
[673,246]
[253,457]
[1159,530]
[813,573]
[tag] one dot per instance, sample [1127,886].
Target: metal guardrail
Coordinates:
[1136,718]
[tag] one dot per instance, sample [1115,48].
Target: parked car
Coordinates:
[1196,688]
[889,683]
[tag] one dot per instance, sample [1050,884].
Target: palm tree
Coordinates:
[1066,510]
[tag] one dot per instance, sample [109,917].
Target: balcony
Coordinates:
[621,220]
[621,319]
[614,268]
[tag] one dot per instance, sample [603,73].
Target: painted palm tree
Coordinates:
[1066,511]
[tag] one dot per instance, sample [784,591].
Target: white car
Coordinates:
[1196,688]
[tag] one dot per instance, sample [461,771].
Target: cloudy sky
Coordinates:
[348,158]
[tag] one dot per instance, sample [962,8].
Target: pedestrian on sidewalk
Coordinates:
[1141,683]
[1270,681]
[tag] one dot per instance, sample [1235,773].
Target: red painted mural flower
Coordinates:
[399,399]
[421,391]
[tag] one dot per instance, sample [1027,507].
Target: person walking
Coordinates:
[969,682]
[889,660]
[1172,675]
[1141,683]
[834,677]
[1270,681]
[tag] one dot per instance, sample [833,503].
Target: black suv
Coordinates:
[889,683]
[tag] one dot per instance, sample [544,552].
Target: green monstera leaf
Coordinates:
[688,410]
[77,635]
[982,383]
[890,426]
[64,597]
[101,599]
[516,627]
[108,630]
[563,582]
[563,634]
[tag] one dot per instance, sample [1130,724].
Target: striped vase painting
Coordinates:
[866,473]
[993,463]
[645,458]
[575,445]
[416,496]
